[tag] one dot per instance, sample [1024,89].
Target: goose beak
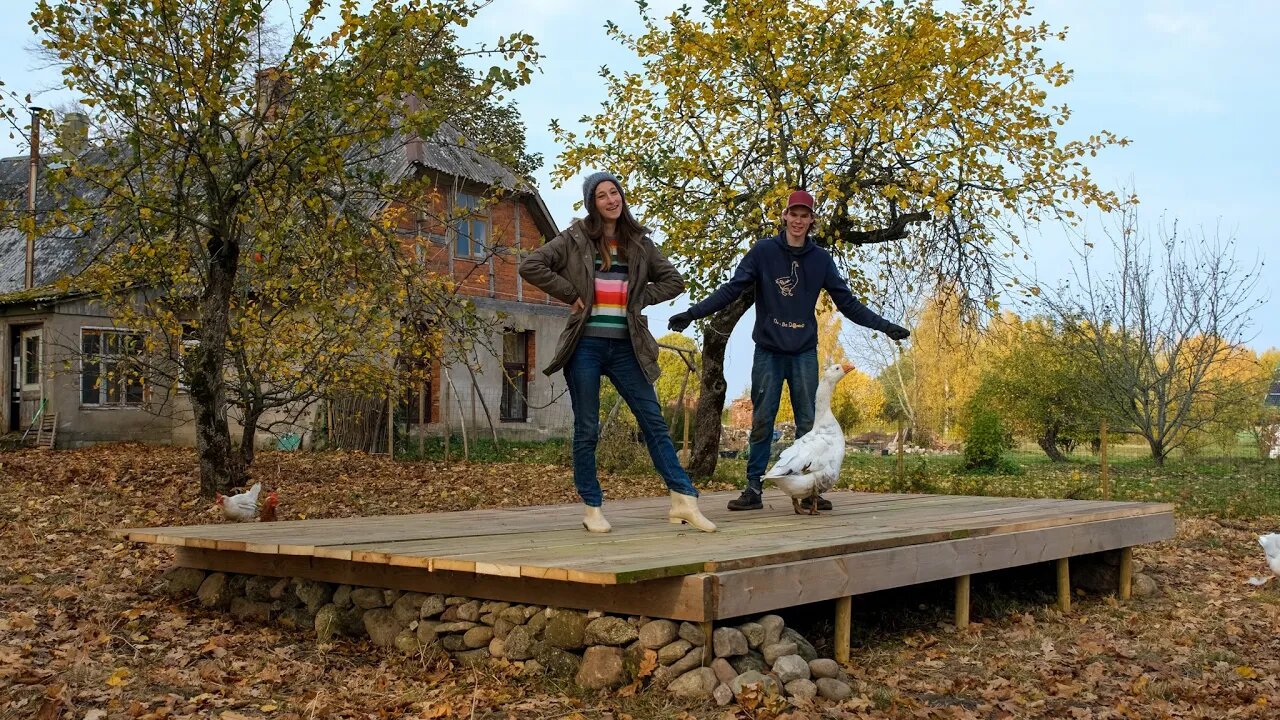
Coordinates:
[847,367]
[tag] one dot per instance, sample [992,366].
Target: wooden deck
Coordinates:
[756,562]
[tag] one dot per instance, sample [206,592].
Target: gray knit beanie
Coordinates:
[589,187]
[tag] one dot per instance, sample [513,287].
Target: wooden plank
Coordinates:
[754,590]
[683,598]
[644,561]
[440,525]
[547,543]
[546,552]
[751,556]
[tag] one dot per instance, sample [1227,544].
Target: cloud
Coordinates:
[1194,29]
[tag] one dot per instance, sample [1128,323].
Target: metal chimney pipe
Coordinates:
[29,277]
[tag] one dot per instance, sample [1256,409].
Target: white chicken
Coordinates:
[1271,546]
[245,507]
[811,465]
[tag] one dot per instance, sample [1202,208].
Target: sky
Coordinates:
[1195,86]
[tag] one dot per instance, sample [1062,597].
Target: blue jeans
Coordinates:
[768,371]
[615,359]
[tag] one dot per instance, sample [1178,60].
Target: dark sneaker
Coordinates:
[823,503]
[749,500]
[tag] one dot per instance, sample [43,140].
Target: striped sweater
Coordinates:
[609,309]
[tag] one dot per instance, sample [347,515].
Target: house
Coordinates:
[1273,395]
[62,347]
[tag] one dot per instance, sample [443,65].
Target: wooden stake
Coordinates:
[1064,585]
[1126,573]
[902,473]
[1104,471]
[962,602]
[391,422]
[844,628]
[422,418]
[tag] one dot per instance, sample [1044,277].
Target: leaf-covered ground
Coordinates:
[84,634]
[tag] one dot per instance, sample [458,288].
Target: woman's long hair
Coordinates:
[629,231]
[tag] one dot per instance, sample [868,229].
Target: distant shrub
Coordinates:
[985,440]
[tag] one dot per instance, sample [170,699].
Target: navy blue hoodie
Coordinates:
[787,281]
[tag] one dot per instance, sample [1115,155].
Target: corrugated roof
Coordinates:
[58,254]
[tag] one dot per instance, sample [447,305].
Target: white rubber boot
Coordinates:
[594,520]
[684,509]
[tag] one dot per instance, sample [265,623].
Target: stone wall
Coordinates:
[600,651]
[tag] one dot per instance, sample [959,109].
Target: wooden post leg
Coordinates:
[1126,573]
[844,628]
[962,602]
[708,651]
[1064,585]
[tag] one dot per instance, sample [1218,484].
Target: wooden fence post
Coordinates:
[902,473]
[1104,470]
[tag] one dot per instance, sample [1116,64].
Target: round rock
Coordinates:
[658,633]
[824,668]
[791,667]
[729,642]
[697,683]
[832,689]
[802,690]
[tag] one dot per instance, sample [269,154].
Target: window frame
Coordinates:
[24,363]
[103,389]
[476,217]
[515,379]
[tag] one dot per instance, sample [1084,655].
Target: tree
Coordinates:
[1161,329]
[1040,389]
[674,369]
[913,123]
[930,381]
[251,193]
[1265,423]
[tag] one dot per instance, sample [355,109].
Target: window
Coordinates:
[515,371]
[471,232]
[30,370]
[109,375]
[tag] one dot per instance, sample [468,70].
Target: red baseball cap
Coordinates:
[802,198]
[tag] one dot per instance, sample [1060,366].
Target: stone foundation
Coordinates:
[599,651]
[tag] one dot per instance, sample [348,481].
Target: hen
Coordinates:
[249,505]
[1271,546]
[811,466]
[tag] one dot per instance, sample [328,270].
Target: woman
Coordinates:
[607,270]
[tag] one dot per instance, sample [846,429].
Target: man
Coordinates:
[787,271]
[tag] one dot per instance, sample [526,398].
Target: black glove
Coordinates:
[897,332]
[679,322]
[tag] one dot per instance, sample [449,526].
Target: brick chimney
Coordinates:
[73,134]
[273,92]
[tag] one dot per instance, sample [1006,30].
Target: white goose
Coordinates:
[1271,546]
[811,466]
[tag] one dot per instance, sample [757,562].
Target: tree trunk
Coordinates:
[1158,450]
[219,466]
[248,439]
[1048,442]
[706,418]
